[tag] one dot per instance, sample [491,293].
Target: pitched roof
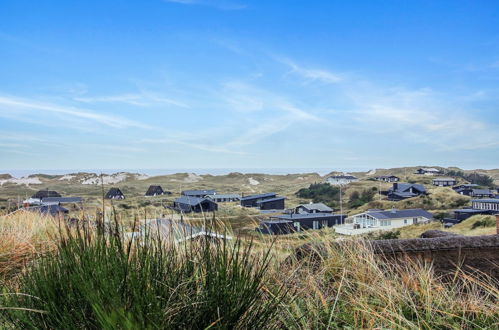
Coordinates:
[403,187]
[46,193]
[395,214]
[316,206]
[270,200]
[114,192]
[198,192]
[190,200]
[154,190]
[265,195]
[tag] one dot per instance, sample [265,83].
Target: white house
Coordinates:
[428,171]
[374,220]
[341,179]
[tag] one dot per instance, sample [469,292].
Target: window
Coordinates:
[405,221]
[315,224]
[415,220]
[324,223]
[297,226]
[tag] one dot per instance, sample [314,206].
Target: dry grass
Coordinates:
[349,288]
[24,236]
[354,288]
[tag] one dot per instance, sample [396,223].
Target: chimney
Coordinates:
[497,224]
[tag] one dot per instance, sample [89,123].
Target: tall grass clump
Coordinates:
[24,236]
[106,281]
[347,285]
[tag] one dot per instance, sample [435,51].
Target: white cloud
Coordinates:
[310,74]
[143,99]
[8,105]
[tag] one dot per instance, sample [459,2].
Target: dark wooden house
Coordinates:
[188,204]
[154,191]
[252,200]
[114,193]
[276,203]
[401,191]
[220,198]
[313,208]
[290,223]
[46,193]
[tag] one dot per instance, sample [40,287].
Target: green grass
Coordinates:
[106,282]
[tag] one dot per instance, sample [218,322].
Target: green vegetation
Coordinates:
[364,197]
[475,178]
[97,281]
[487,222]
[320,193]
[84,279]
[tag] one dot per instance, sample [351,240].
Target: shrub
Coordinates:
[487,222]
[319,192]
[104,281]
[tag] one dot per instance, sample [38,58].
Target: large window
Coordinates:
[315,224]
[297,226]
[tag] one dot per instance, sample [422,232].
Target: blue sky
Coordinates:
[248,84]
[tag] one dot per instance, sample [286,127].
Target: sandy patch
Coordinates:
[67,177]
[253,182]
[24,180]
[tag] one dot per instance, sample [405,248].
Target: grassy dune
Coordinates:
[97,282]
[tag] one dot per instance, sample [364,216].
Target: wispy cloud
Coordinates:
[143,99]
[11,104]
[422,116]
[219,4]
[312,74]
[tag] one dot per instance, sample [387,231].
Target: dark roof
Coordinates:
[296,216]
[486,200]
[51,209]
[316,206]
[482,191]
[198,192]
[154,190]
[394,214]
[270,200]
[190,200]
[277,221]
[223,196]
[114,192]
[387,176]
[46,193]
[269,195]
[403,187]
[51,200]
[469,211]
[468,185]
